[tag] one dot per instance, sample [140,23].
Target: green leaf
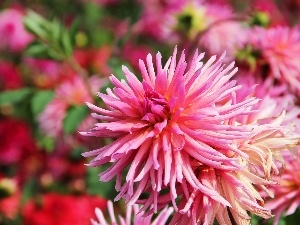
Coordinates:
[35,24]
[66,43]
[40,100]
[37,49]
[74,29]
[56,30]
[292,219]
[47,143]
[255,220]
[14,96]
[74,117]
[44,142]
[96,187]
[29,190]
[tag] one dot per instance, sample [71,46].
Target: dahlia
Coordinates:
[175,125]
[16,142]
[150,25]
[229,35]
[10,77]
[280,49]
[12,32]
[70,92]
[287,189]
[192,18]
[131,211]
[51,119]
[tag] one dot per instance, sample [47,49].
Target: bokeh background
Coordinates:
[56,55]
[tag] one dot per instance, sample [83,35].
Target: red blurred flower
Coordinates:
[136,52]
[16,141]
[9,76]
[94,59]
[45,73]
[55,209]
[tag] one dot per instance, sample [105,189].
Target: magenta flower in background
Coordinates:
[280,48]
[179,131]
[229,35]
[150,25]
[12,32]
[51,119]
[14,152]
[193,18]
[133,216]
[70,92]
[10,77]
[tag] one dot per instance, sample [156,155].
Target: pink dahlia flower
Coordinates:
[193,18]
[176,125]
[280,48]
[51,119]
[70,92]
[226,35]
[271,10]
[133,216]
[12,32]
[150,25]
[287,190]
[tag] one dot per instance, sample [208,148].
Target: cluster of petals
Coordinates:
[71,92]
[12,32]
[150,25]
[195,17]
[184,130]
[280,49]
[287,189]
[133,216]
[229,35]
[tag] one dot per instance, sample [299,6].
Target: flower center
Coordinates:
[156,107]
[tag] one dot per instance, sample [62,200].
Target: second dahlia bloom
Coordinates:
[70,92]
[287,189]
[280,49]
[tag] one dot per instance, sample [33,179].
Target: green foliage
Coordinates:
[96,187]
[259,19]
[75,115]
[126,9]
[14,96]
[249,56]
[293,218]
[29,190]
[39,50]
[255,220]
[46,143]
[40,100]
[53,38]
